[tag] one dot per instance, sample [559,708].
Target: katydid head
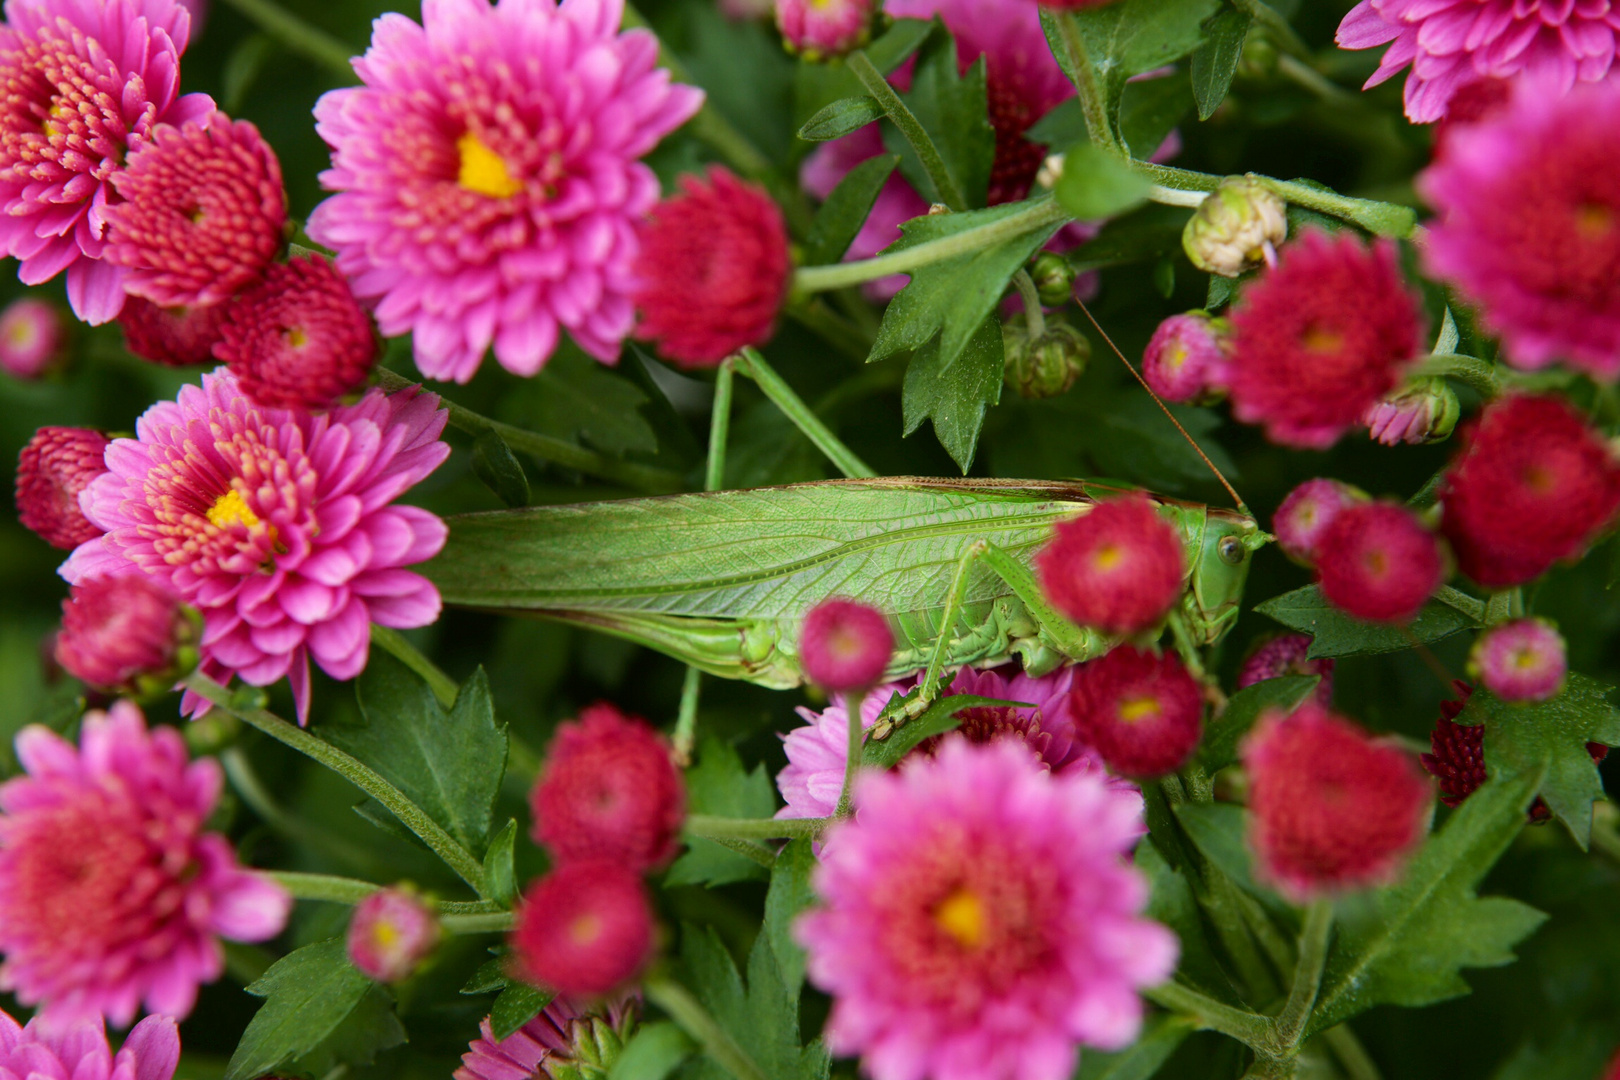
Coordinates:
[1220,567]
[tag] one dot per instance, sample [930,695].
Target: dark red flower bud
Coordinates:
[845,645]
[128,633]
[585,928]
[1377,561]
[1286,654]
[57,464]
[1118,568]
[1141,711]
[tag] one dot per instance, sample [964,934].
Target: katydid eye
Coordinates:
[1231,550]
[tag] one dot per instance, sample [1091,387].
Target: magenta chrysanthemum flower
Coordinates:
[979,918]
[176,337]
[823,28]
[276,525]
[1529,226]
[111,893]
[567,1039]
[1452,44]
[488,177]
[814,776]
[46,1049]
[203,212]
[83,83]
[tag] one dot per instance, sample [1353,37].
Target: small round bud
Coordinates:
[1423,411]
[56,465]
[1331,809]
[845,645]
[1308,510]
[127,634]
[1141,711]
[609,791]
[1185,360]
[1523,660]
[1287,654]
[1050,172]
[1053,277]
[819,29]
[1117,568]
[1378,562]
[391,933]
[585,928]
[1046,366]
[32,336]
[1236,228]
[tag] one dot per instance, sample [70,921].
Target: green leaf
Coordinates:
[370,1027]
[762,1016]
[940,718]
[1243,708]
[1216,60]
[789,895]
[1334,633]
[515,1006]
[1405,945]
[897,44]
[575,398]
[1150,109]
[840,218]
[840,118]
[1096,184]
[1524,736]
[307,993]
[952,108]
[1148,234]
[955,395]
[499,469]
[1174,905]
[1142,1060]
[653,1052]
[448,764]
[1135,36]
[490,977]
[500,875]
[1220,832]
[719,785]
[951,299]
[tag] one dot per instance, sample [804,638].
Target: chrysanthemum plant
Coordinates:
[1082,778]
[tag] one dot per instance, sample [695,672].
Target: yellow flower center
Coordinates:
[1107,557]
[231,509]
[384,934]
[483,170]
[585,929]
[1143,707]
[1176,356]
[962,917]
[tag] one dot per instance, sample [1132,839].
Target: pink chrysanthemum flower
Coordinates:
[488,177]
[84,83]
[979,909]
[276,525]
[1453,44]
[203,212]
[111,893]
[32,334]
[45,1049]
[823,28]
[1522,660]
[1529,226]
[814,776]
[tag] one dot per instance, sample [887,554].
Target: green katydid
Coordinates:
[722,579]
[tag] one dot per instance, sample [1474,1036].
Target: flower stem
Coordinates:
[338,890]
[393,642]
[494,922]
[774,387]
[352,769]
[1087,83]
[1038,214]
[1353,1057]
[694,1019]
[714,476]
[1479,374]
[1249,1028]
[1385,219]
[240,772]
[715,828]
[1282,33]
[644,478]
[686,719]
[1313,949]
[1034,317]
[946,188]
[307,41]
[852,760]
[1169,196]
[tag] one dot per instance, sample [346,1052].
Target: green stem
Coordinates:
[1039,214]
[748,849]
[1087,84]
[695,1020]
[309,42]
[686,719]
[1353,1057]
[793,407]
[393,642]
[495,922]
[1311,79]
[1385,219]
[813,314]
[353,770]
[1169,196]
[1313,949]
[1461,601]
[714,477]
[1034,317]
[245,780]
[714,828]
[1282,33]
[643,478]
[338,890]
[1479,374]
[852,761]
[1246,1027]
[947,190]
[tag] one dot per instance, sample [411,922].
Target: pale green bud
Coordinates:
[1237,227]
[1053,277]
[1046,366]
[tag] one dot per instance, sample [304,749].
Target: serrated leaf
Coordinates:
[761,1016]
[575,398]
[1551,735]
[840,118]
[449,764]
[1334,633]
[937,720]
[1149,109]
[1407,944]
[1096,184]
[1216,60]
[500,875]
[955,395]
[1172,903]
[840,218]
[307,993]
[897,44]
[653,1052]
[952,107]
[515,1006]
[1143,1058]
[499,469]
[370,1028]
[1226,731]
[719,785]
[1135,36]
[789,894]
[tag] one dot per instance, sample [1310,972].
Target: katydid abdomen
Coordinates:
[721,580]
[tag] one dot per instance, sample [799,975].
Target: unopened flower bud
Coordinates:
[129,634]
[1045,366]
[1053,277]
[56,465]
[1186,358]
[1423,411]
[1522,660]
[845,645]
[32,333]
[1259,57]
[391,933]
[1236,228]
[1307,511]
[1288,654]
[818,29]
